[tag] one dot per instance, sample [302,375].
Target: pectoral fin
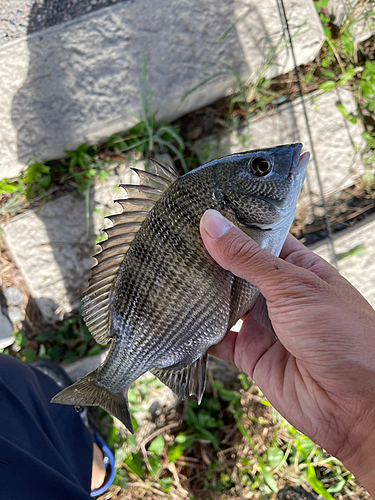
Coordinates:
[86,392]
[188,381]
[260,313]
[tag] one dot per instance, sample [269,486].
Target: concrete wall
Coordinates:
[80,81]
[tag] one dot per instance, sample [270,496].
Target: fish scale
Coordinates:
[156,295]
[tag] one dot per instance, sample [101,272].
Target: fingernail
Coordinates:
[215,224]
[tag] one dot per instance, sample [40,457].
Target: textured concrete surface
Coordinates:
[359,15]
[337,142]
[80,81]
[53,246]
[6,331]
[18,17]
[359,269]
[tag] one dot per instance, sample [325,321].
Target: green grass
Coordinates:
[65,343]
[232,446]
[343,64]
[80,170]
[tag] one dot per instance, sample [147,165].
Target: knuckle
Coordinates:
[306,286]
[300,287]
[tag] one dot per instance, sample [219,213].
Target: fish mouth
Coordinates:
[299,162]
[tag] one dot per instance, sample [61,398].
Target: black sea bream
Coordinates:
[156,295]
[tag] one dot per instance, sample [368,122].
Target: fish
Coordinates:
[155,294]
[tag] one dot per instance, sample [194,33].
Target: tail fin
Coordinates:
[87,393]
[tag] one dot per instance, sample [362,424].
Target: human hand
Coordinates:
[319,372]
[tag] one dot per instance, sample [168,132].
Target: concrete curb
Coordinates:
[359,269]
[79,81]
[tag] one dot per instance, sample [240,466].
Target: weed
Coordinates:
[340,67]
[82,168]
[251,469]
[66,343]
[146,136]
[368,85]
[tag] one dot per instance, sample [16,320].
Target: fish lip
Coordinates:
[303,161]
[299,161]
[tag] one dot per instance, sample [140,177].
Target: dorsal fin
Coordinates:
[164,170]
[140,200]
[152,180]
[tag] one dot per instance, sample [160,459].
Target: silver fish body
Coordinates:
[156,294]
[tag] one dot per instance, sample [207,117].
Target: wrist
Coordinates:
[361,459]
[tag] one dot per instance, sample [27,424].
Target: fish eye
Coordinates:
[260,166]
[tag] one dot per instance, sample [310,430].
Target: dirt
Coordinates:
[345,209]
[202,470]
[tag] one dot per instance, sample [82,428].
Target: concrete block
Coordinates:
[337,142]
[6,331]
[359,13]
[359,268]
[80,81]
[53,246]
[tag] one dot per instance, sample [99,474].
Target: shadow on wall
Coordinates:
[52,12]
[53,247]
[84,78]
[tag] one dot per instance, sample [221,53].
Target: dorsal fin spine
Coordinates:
[152,180]
[122,228]
[117,240]
[140,201]
[112,261]
[124,217]
[138,190]
[164,170]
[110,252]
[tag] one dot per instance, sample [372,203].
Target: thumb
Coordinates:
[242,256]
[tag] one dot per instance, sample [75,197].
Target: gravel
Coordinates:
[23,17]
[13,296]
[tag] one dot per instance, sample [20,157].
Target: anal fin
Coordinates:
[188,381]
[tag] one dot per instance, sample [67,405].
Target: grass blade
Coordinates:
[316,484]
